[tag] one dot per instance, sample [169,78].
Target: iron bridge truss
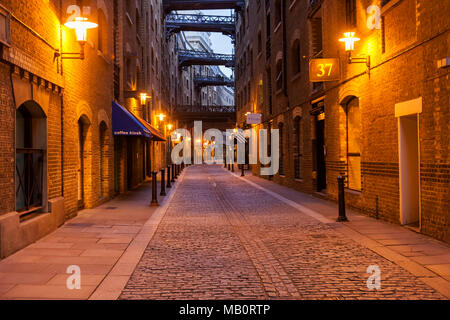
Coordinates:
[191,58]
[204,81]
[171,5]
[204,109]
[202,23]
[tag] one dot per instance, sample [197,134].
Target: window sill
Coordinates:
[259,55]
[277,27]
[279,91]
[354,192]
[299,180]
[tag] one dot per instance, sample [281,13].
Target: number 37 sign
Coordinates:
[324,70]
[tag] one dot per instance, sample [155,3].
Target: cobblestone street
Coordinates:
[222,238]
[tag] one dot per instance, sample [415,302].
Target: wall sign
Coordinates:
[321,70]
[254,118]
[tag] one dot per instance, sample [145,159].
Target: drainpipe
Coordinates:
[62,104]
[283,4]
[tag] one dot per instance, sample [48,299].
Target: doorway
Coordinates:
[83,127]
[320,153]
[409,170]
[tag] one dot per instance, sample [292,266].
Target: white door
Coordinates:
[409,170]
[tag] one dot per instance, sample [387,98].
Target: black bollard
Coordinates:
[242,170]
[163,183]
[173,173]
[342,217]
[232,167]
[169,185]
[225,164]
[154,202]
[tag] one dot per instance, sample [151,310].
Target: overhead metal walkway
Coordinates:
[204,81]
[202,23]
[192,58]
[217,114]
[171,5]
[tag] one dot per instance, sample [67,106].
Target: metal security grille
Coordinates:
[29,168]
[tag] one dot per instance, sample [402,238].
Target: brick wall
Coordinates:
[404,69]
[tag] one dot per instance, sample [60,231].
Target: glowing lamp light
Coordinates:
[349,40]
[81,25]
[161,117]
[143,97]
[169,126]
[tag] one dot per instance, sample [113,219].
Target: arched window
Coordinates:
[296,57]
[31,145]
[102,32]
[298,148]
[353,144]
[281,144]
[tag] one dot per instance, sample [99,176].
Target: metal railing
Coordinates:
[170,5]
[192,57]
[195,22]
[203,81]
[198,108]
[30,173]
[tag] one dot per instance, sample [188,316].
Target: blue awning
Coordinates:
[126,124]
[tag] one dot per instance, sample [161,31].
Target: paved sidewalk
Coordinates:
[421,255]
[98,240]
[222,238]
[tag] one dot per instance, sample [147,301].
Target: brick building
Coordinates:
[384,127]
[140,49]
[56,117]
[60,153]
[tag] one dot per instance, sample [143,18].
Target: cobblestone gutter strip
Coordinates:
[112,286]
[425,275]
[274,278]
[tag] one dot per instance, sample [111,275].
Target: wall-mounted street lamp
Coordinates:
[143,96]
[161,117]
[349,39]
[169,127]
[81,26]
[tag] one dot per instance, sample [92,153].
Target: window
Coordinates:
[104,139]
[31,144]
[279,79]
[353,144]
[384,2]
[278,12]
[102,33]
[138,23]
[296,57]
[5,36]
[259,42]
[281,144]
[260,93]
[298,150]
[316,35]
[350,13]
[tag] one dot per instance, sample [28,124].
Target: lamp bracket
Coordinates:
[363,59]
[72,55]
